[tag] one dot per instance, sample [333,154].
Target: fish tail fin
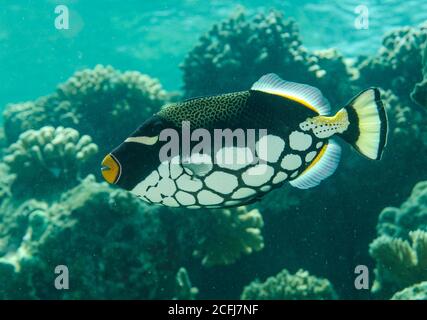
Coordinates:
[367,129]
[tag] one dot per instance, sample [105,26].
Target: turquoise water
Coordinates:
[68,97]
[135,35]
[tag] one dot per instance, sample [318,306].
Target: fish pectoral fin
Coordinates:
[304,94]
[322,167]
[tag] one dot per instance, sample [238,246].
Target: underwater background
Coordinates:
[69,96]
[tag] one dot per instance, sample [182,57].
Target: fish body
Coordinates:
[288,136]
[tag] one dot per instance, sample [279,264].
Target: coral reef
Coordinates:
[112,245]
[52,158]
[238,51]
[419,93]
[408,125]
[20,117]
[102,102]
[400,251]
[286,286]
[224,235]
[3,141]
[120,101]
[412,215]
[415,292]
[398,64]
[5,182]
[117,247]
[399,263]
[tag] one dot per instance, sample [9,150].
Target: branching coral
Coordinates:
[399,263]
[286,286]
[49,157]
[227,234]
[398,64]
[415,292]
[236,52]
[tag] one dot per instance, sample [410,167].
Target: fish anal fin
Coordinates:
[323,166]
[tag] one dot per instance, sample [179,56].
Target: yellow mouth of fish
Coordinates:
[110,169]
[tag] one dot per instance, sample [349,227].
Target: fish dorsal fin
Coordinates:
[308,96]
[323,166]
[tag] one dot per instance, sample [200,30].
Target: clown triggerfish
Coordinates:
[288,135]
